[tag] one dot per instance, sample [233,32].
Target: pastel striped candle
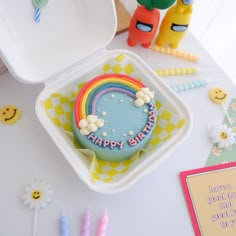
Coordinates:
[176,71]
[176,53]
[37,15]
[102,225]
[39,5]
[86,223]
[187,86]
[64,226]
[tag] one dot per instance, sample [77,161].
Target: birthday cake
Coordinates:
[114,115]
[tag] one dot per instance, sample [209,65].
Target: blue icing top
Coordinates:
[127,128]
[115,112]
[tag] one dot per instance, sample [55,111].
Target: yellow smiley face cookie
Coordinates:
[36,194]
[9,114]
[218,95]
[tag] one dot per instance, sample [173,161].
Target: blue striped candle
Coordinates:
[190,85]
[64,226]
[37,14]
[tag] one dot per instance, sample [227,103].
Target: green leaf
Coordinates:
[40,3]
[160,4]
[146,3]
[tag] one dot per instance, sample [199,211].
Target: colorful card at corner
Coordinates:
[210,194]
[225,155]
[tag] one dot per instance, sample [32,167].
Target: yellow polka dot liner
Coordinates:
[58,107]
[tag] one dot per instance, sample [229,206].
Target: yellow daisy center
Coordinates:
[224,135]
[36,194]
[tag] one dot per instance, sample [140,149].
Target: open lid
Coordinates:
[69,31]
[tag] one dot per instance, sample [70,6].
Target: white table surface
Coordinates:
[153,206]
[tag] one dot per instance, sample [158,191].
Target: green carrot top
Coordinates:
[160,4]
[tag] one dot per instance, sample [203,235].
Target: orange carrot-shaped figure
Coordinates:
[145,21]
[143,26]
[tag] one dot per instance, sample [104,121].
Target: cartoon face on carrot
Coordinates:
[145,21]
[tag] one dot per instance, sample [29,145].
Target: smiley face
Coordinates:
[9,114]
[218,95]
[36,194]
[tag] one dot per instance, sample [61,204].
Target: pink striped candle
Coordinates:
[102,225]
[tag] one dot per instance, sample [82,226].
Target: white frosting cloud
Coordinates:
[90,124]
[143,96]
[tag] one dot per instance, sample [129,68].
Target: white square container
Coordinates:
[65,48]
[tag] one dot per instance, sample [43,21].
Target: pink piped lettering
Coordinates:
[151,106]
[151,118]
[151,113]
[99,142]
[106,143]
[150,124]
[92,137]
[132,142]
[137,139]
[141,135]
[112,144]
[146,130]
[148,127]
[120,144]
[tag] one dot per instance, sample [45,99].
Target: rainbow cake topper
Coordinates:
[85,105]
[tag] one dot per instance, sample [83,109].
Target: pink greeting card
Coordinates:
[210,194]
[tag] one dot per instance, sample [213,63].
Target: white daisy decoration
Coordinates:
[37,194]
[222,136]
[234,129]
[233,106]
[216,151]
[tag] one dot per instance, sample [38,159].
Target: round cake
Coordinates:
[114,115]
